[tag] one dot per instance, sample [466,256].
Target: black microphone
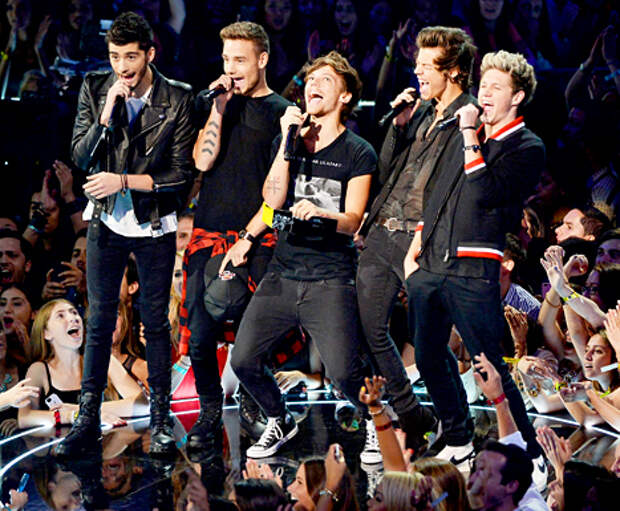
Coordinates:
[289,145]
[118,113]
[398,109]
[213,93]
[452,120]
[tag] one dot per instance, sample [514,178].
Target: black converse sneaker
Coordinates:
[278,431]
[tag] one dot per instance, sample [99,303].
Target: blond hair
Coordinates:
[247,31]
[398,488]
[515,64]
[346,71]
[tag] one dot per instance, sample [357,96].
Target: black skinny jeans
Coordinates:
[108,253]
[380,277]
[473,305]
[326,309]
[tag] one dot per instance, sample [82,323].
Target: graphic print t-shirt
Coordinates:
[322,178]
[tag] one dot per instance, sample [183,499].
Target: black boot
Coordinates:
[85,435]
[417,423]
[251,418]
[204,440]
[162,437]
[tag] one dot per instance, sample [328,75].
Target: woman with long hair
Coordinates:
[56,369]
[310,480]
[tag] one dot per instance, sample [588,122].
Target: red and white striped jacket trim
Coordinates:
[509,129]
[475,165]
[483,252]
[419,227]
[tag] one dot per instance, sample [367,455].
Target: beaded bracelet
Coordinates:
[331,494]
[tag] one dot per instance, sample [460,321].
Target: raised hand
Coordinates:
[371,393]
[557,450]
[492,385]
[612,326]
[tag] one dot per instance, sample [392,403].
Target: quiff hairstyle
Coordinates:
[458,52]
[247,31]
[521,73]
[348,73]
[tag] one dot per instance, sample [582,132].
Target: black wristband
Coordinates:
[74,206]
[467,128]
[475,148]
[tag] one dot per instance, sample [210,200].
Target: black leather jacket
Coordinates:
[159,143]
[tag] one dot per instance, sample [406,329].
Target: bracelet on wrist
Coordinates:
[375,414]
[467,128]
[474,147]
[331,494]
[33,228]
[383,427]
[570,297]
[57,421]
[550,304]
[499,399]
[612,75]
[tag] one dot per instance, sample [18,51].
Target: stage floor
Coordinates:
[133,481]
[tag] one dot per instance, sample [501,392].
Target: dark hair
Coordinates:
[258,495]
[518,466]
[26,248]
[594,222]
[587,484]
[128,28]
[513,251]
[343,69]
[610,234]
[458,52]
[609,284]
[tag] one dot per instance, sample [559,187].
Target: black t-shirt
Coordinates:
[322,178]
[231,191]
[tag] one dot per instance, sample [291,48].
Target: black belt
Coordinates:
[394,224]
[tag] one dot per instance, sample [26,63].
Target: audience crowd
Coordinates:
[560,275]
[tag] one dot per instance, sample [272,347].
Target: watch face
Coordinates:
[242,234]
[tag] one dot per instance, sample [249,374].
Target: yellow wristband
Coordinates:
[570,297]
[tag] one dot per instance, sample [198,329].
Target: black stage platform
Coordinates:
[132,481]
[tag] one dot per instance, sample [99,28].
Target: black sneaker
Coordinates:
[278,431]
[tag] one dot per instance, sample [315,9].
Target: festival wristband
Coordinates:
[610,367]
[570,297]
[499,399]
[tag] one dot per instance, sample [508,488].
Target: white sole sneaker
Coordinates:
[460,456]
[258,452]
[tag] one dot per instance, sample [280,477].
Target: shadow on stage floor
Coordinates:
[133,481]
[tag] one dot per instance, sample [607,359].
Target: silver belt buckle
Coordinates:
[391,224]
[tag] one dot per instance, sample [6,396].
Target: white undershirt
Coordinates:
[123,220]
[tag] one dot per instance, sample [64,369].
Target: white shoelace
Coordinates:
[372,442]
[272,430]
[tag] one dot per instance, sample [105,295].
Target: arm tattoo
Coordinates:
[214,124]
[209,141]
[207,150]
[212,133]
[273,185]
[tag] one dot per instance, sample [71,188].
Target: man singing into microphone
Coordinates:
[310,280]
[135,192]
[414,153]
[453,264]
[233,151]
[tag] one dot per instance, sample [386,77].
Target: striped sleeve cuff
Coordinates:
[475,165]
